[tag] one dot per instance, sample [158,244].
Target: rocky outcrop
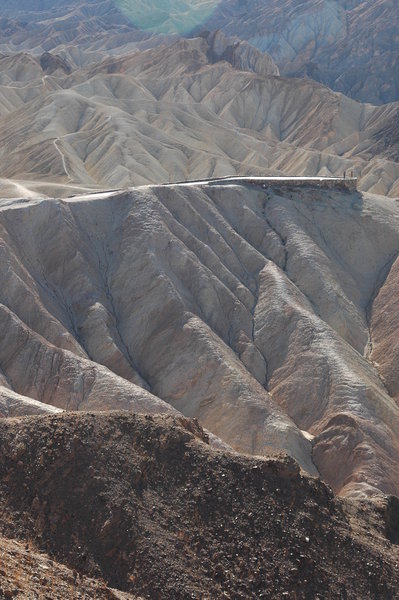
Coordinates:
[240,55]
[144,504]
[51,63]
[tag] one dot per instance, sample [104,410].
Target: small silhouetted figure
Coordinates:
[352,174]
[344,174]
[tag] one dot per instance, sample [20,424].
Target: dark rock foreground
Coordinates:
[145,504]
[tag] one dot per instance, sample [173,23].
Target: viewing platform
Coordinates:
[342,183]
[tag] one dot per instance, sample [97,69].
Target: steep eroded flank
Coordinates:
[245,307]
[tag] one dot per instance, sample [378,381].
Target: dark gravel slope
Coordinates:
[146,504]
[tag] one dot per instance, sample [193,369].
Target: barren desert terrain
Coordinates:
[199,316]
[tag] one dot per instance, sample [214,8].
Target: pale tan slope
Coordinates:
[316,331]
[14,405]
[35,368]
[244,307]
[38,333]
[176,113]
[79,284]
[384,322]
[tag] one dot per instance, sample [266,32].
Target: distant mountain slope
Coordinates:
[208,106]
[91,29]
[351,46]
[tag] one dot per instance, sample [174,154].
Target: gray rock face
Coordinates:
[246,308]
[350,46]
[240,55]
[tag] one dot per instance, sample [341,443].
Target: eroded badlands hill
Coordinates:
[86,29]
[145,504]
[352,46]
[262,312]
[208,106]
[349,46]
